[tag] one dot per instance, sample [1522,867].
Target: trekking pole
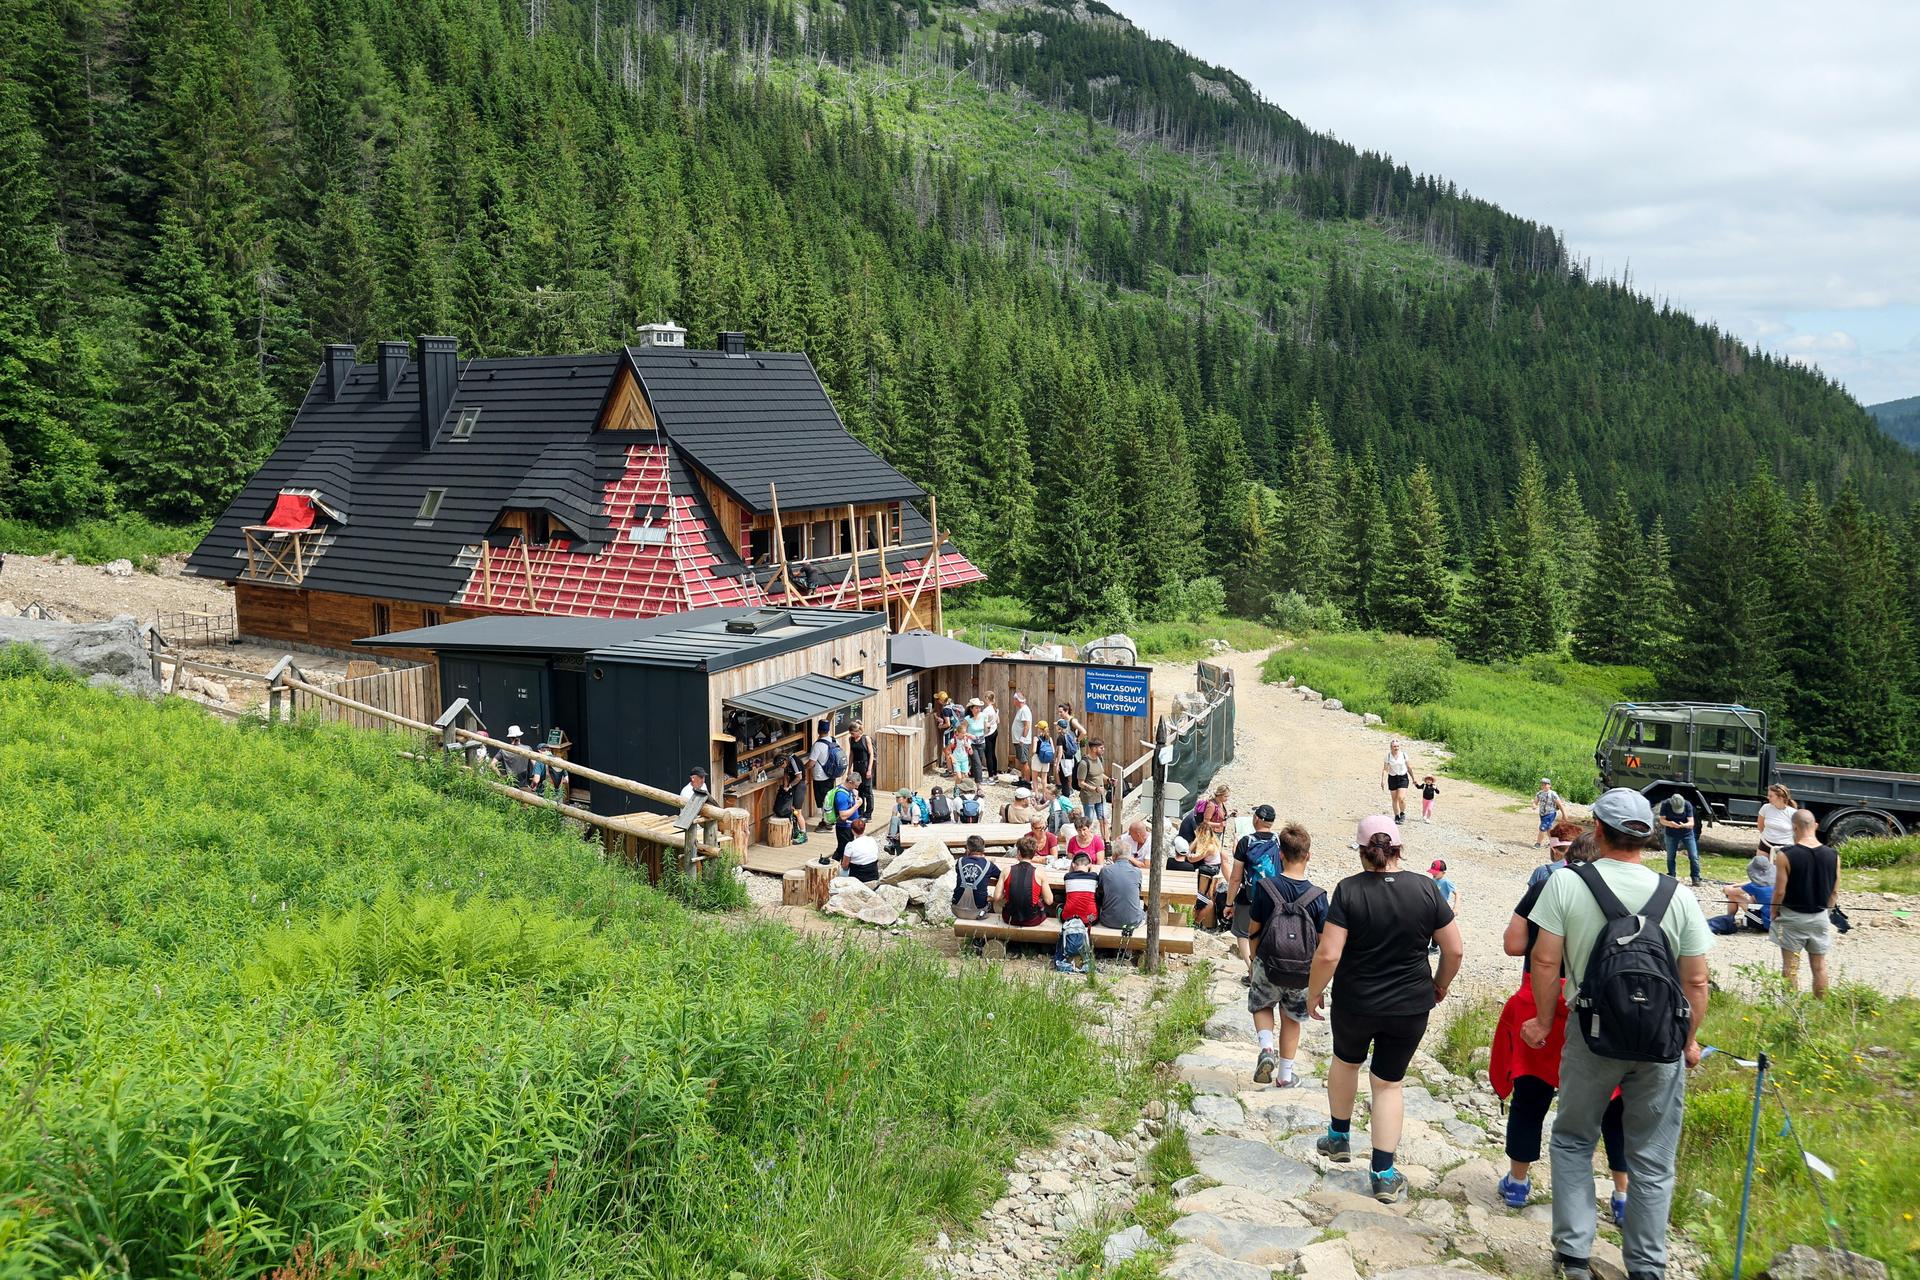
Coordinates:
[1746,1185]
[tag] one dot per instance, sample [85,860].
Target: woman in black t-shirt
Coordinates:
[1374,953]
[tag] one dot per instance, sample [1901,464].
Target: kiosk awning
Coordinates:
[920,650]
[801,698]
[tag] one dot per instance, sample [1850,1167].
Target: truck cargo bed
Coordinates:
[1842,786]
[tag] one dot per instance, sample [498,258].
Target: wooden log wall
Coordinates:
[1047,684]
[332,619]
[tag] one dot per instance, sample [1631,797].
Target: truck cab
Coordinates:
[1716,754]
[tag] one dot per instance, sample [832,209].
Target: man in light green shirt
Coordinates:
[1653,1093]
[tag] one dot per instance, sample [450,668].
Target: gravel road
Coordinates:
[1322,769]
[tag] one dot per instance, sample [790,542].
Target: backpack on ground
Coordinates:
[1289,937]
[836,758]
[1631,1006]
[1073,936]
[1262,846]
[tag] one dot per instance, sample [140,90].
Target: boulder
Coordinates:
[1241,1205]
[939,899]
[1333,704]
[1230,1024]
[1384,1241]
[1288,683]
[109,654]
[1195,1262]
[1219,1112]
[1111,651]
[1811,1262]
[1328,1260]
[1239,1162]
[8,609]
[923,861]
[1243,1241]
[118,568]
[848,897]
[1369,718]
[1122,1245]
[1455,1270]
[1310,695]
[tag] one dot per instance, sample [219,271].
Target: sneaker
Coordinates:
[1572,1268]
[1337,1147]
[1288,1083]
[1619,1207]
[1514,1194]
[1263,1068]
[1246,980]
[1061,966]
[1389,1185]
[1697,882]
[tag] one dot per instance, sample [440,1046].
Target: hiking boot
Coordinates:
[1514,1194]
[1389,1185]
[1264,1066]
[1337,1147]
[1572,1268]
[1696,882]
[1619,1207]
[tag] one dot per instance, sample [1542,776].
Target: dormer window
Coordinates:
[429,506]
[463,425]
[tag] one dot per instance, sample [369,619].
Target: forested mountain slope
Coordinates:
[1899,419]
[1074,281]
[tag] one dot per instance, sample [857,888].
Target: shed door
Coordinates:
[460,678]
[514,693]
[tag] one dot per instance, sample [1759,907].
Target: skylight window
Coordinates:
[430,505]
[464,425]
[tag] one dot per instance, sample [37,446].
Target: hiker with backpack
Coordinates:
[973,879]
[843,801]
[969,793]
[1284,926]
[828,762]
[1633,949]
[1024,895]
[1081,906]
[1255,857]
[1373,952]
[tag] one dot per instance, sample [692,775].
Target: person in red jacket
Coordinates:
[1529,1077]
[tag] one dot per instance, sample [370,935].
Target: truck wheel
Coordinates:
[1859,826]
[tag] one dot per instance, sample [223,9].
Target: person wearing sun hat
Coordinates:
[1373,952]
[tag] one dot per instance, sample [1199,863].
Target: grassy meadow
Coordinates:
[122,537]
[275,1002]
[1508,724]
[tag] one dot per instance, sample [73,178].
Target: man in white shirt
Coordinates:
[1136,843]
[817,770]
[696,782]
[1023,737]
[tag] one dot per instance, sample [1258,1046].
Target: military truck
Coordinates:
[1718,756]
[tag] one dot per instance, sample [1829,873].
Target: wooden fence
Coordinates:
[410,692]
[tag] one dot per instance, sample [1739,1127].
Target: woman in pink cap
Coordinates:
[1374,953]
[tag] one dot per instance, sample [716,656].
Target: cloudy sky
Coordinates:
[1755,163]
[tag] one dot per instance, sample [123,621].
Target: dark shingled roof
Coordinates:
[564,482]
[763,418]
[328,471]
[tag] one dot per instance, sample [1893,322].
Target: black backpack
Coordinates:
[939,810]
[1631,1006]
[1289,938]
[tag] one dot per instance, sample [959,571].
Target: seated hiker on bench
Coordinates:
[1080,909]
[1024,895]
[909,810]
[973,880]
[1044,841]
[1119,896]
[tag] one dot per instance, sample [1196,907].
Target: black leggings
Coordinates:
[1528,1117]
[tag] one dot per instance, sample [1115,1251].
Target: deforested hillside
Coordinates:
[1069,278]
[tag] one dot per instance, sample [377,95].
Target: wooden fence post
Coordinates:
[1151,961]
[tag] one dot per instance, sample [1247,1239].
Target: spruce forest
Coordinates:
[1157,346]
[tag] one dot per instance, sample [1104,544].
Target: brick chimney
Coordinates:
[439,377]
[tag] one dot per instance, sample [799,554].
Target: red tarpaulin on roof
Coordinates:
[291,511]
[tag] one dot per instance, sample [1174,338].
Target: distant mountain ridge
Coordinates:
[1899,419]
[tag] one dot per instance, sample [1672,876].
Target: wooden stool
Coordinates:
[793,888]
[779,833]
[819,876]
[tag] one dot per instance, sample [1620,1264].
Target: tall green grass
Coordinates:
[1848,1071]
[1508,724]
[999,622]
[122,537]
[273,1001]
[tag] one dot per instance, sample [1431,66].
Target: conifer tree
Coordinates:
[1531,555]
[1853,702]
[1416,589]
[1368,542]
[205,420]
[1306,542]
[1070,564]
[1609,623]
[1490,616]
[1167,542]
[1729,645]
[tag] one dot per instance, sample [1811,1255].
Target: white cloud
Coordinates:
[1747,161]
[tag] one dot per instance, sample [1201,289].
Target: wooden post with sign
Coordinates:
[1158,860]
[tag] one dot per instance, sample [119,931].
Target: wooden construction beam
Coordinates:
[780,541]
[526,565]
[933,519]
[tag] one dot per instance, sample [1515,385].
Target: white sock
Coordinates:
[1286,1070]
[1266,1040]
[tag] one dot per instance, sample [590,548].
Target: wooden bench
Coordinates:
[1174,939]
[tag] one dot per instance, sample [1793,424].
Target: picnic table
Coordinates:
[954,834]
[1177,888]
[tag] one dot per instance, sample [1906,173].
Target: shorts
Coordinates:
[865,872]
[1101,809]
[1399,782]
[1548,819]
[1242,918]
[1392,1040]
[1267,994]
[1797,931]
[1022,752]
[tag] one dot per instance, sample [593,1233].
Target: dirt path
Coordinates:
[1322,768]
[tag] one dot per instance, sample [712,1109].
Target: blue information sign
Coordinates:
[1117,691]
